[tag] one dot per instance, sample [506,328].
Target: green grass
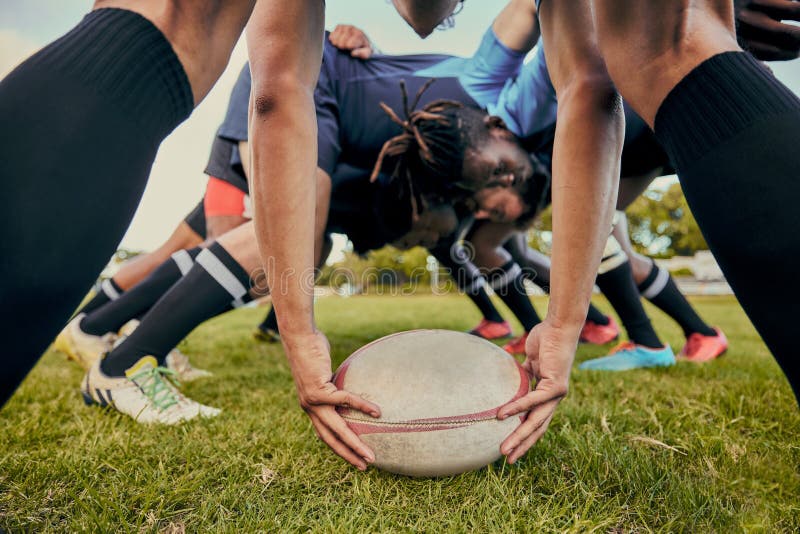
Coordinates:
[710,448]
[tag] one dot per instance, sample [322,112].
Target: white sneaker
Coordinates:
[179,362]
[176,360]
[146,394]
[82,347]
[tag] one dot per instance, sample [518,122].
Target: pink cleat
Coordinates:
[492,329]
[700,348]
[599,334]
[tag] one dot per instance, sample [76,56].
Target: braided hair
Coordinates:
[427,157]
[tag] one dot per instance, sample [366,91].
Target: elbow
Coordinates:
[277,95]
[596,90]
[592,96]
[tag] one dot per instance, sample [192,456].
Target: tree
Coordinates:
[661,224]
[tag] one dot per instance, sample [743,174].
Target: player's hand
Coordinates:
[760,30]
[310,362]
[346,37]
[550,352]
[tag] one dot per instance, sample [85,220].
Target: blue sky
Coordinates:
[177,181]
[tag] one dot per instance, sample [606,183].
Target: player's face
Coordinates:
[499,204]
[501,162]
[425,15]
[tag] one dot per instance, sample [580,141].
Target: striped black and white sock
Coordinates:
[660,289]
[213,284]
[108,291]
[140,298]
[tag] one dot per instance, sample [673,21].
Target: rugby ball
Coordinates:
[439,392]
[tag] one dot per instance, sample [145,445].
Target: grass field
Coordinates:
[711,448]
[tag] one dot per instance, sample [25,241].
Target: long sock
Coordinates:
[207,290]
[468,279]
[660,289]
[731,129]
[596,316]
[508,283]
[109,291]
[103,96]
[620,290]
[270,322]
[140,298]
[480,297]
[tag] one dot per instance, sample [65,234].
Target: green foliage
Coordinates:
[661,224]
[692,448]
[385,266]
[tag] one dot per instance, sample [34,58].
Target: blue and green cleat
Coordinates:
[628,355]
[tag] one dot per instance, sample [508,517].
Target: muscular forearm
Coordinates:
[517,26]
[283,153]
[584,195]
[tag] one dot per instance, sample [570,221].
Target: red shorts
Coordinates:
[223,198]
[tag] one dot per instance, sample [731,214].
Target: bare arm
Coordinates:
[588,145]
[517,26]
[285,45]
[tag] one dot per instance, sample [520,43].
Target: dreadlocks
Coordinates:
[427,157]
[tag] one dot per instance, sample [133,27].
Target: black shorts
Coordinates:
[223,164]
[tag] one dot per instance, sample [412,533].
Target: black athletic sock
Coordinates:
[270,322]
[206,291]
[596,316]
[508,284]
[620,290]
[660,289]
[467,278]
[103,96]
[731,129]
[480,297]
[140,298]
[109,290]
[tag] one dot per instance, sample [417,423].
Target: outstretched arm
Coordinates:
[588,145]
[285,43]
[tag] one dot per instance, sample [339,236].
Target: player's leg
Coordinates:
[644,348]
[115,72]
[504,276]
[456,258]
[657,285]
[189,234]
[215,283]
[89,335]
[730,127]
[599,328]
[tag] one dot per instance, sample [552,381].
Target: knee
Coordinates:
[640,266]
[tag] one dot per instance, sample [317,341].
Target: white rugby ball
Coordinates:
[439,392]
